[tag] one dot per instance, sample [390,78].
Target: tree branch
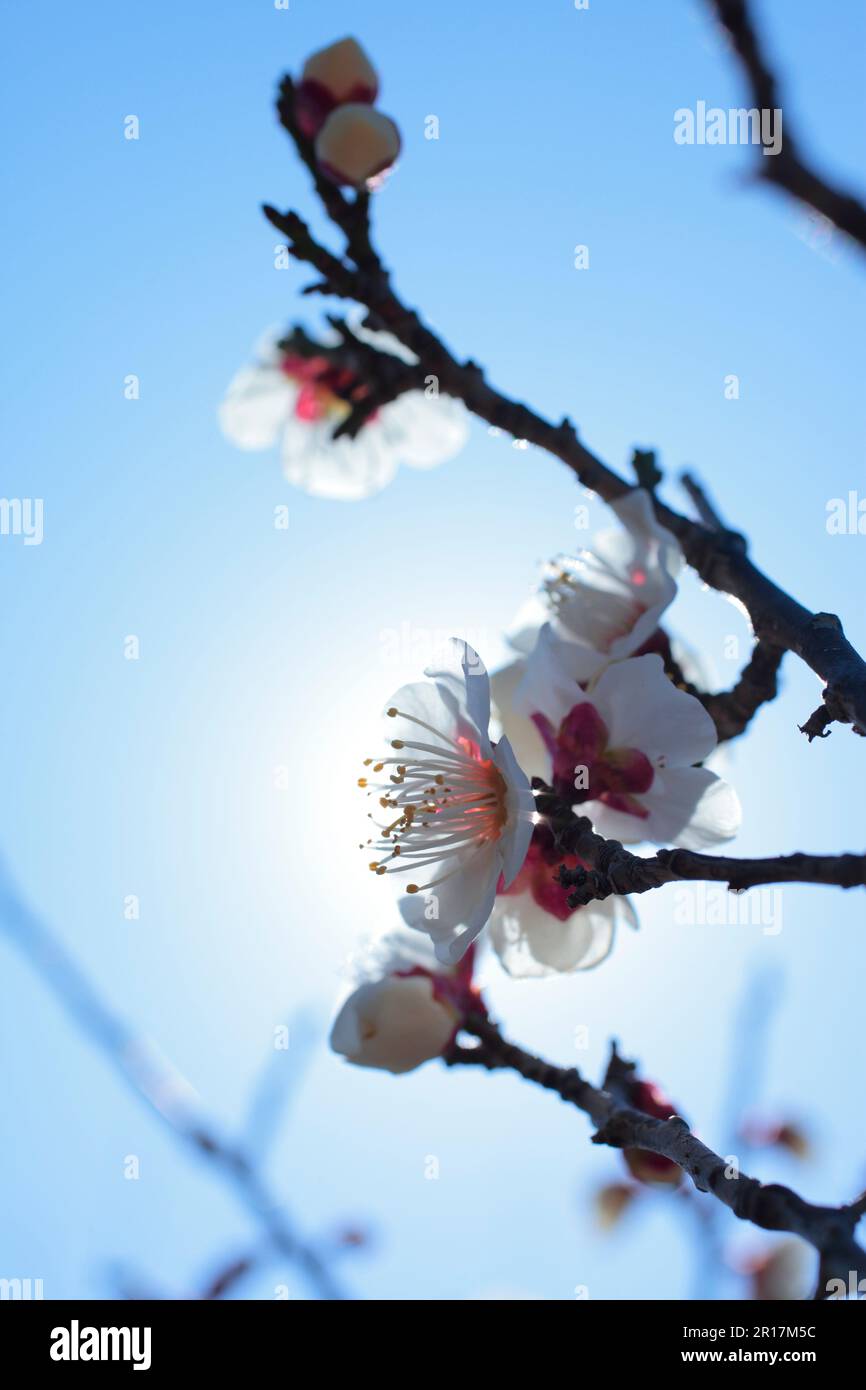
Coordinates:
[733,710]
[770,1206]
[787,169]
[718,556]
[162,1089]
[615,870]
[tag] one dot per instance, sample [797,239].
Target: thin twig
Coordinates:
[732,711]
[770,1206]
[155,1082]
[718,557]
[787,169]
[615,870]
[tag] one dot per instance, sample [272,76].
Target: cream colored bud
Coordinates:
[394,1024]
[344,70]
[356,143]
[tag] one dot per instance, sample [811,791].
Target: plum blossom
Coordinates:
[301,390]
[534,931]
[609,600]
[625,748]
[457,812]
[332,76]
[606,603]
[406,1007]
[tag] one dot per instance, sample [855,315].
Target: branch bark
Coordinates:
[614,869]
[732,711]
[770,1206]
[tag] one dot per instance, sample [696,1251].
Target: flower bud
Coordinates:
[339,73]
[645,1166]
[356,143]
[394,1024]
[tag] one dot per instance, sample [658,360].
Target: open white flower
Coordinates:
[603,605]
[534,931]
[624,748]
[608,600]
[298,393]
[406,1007]
[456,812]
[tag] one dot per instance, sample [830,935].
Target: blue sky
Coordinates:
[262,648]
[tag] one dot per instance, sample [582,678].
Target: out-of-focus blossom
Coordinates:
[456,813]
[611,1202]
[783,1274]
[535,932]
[608,600]
[606,603]
[332,76]
[300,391]
[647,1167]
[356,145]
[789,1135]
[406,1008]
[625,748]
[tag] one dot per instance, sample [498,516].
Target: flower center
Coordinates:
[448,801]
[587,768]
[325,389]
[537,875]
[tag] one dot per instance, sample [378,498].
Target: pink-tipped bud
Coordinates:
[340,73]
[355,144]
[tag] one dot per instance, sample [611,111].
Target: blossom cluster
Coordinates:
[589,703]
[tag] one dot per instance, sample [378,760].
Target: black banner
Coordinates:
[154,1338]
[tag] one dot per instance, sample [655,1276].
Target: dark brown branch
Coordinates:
[614,869]
[787,169]
[718,557]
[733,710]
[770,1206]
[389,377]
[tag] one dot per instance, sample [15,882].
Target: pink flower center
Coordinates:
[587,768]
[536,876]
[325,389]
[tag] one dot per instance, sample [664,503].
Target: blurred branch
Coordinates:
[770,1206]
[279,1081]
[614,869]
[719,557]
[158,1084]
[787,169]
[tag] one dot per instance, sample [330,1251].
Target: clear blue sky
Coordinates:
[262,648]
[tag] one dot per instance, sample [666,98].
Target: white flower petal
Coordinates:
[643,709]
[520,804]
[462,904]
[462,672]
[526,742]
[256,406]
[424,431]
[695,809]
[532,943]
[344,469]
[550,681]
